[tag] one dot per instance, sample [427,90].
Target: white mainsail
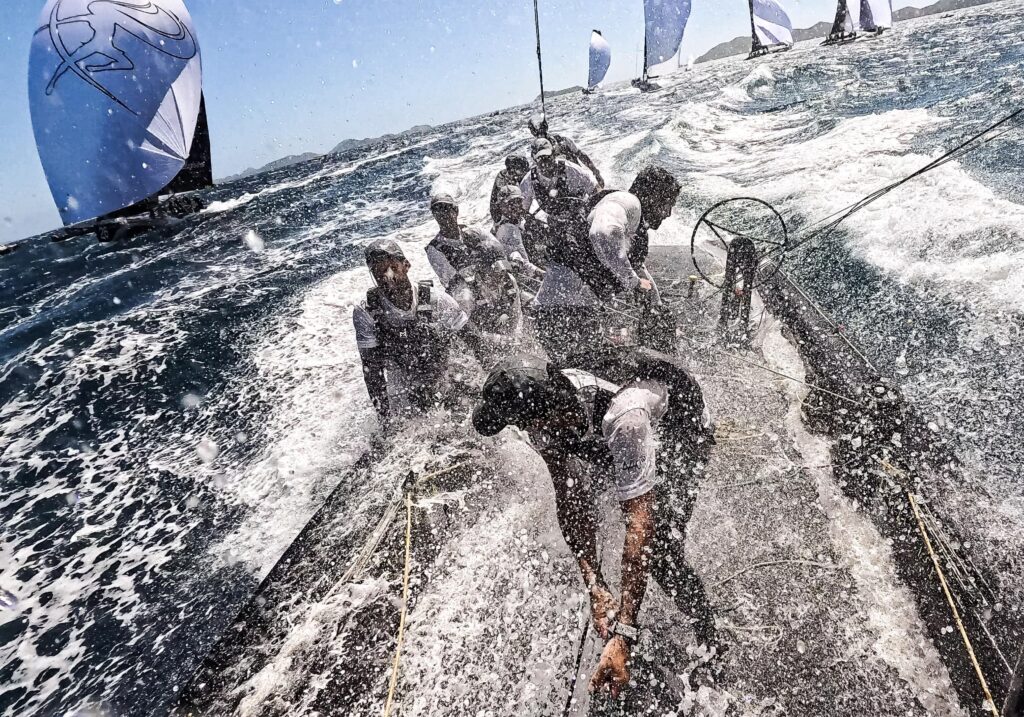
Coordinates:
[772,26]
[852,23]
[115,91]
[600,59]
[665,22]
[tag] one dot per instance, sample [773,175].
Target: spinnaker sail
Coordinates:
[115,92]
[664,25]
[846,24]
[600,59]
[875,15]
[770,26]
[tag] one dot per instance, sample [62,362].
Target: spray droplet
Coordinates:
[255,242]
[191,400]
[192,503]
[73,498]
[207,450]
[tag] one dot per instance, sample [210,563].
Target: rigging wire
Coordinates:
[829,224]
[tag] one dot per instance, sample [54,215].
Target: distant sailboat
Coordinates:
[846,24]
[771,28]
[664,25]
[875,16]
[116,97]
[600,61]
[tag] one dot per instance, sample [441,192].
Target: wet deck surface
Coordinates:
[803,586]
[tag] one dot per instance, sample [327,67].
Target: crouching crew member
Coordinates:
[564,147]
[602,255]
[404,333]
[648,437]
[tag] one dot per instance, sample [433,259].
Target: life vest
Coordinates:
[574,250]
[456,251]
[414,344]
[686,420]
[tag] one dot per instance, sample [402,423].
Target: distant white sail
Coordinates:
[772,25]
[879,14]
[115,90]
[852,22]
[600,59]
[665,23]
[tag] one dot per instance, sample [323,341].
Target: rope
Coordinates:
[810,563]
[990,704]
[405,604]
[540,61]
[405,576]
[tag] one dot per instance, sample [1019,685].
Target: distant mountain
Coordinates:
[345,146]
[276,164]
[741,45]
[350,144]
[558,93]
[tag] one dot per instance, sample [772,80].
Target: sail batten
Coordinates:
[664,26]
[600,59]
[115,90]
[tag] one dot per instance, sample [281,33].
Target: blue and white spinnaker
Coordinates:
[600,59]
[665,22]
[115,90]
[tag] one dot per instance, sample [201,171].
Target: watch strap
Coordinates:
[627,631]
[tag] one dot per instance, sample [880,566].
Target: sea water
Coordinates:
[173,410]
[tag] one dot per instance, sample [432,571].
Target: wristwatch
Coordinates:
[628,632]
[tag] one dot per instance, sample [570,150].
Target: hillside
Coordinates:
[741,45]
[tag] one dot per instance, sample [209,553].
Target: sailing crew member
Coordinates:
[510,232]
[449,252]
[649,437]
[497,308]
[564,147]
[404,332]
[560,188]
[516,167]
[605,257]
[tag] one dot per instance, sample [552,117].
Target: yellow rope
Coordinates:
[405,604]
[990,703]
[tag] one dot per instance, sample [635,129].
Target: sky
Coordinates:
[299,76]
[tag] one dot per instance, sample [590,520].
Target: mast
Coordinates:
[755,44]
[540,61]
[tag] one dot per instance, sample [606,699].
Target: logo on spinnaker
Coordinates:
[155,26]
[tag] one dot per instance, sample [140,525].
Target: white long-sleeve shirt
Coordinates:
[441,266]
[628,428]
[613,226]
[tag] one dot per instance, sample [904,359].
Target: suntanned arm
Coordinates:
[636,553]
[376,383]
